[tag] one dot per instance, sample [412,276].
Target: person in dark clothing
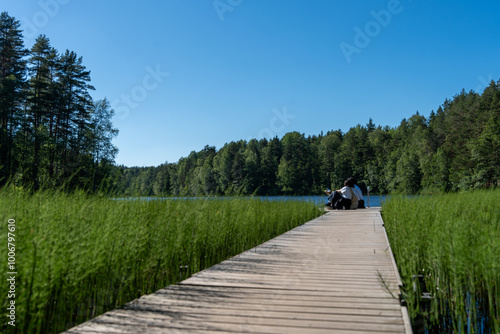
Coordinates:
[343,199]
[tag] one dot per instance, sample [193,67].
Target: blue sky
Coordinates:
[182,74]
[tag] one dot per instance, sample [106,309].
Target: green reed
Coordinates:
[79,256]
[453,240]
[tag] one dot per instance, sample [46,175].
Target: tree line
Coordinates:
[456,148]
[52,133]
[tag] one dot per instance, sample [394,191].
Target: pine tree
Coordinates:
[485,149]
[12,83]
[74,111]
[40,97]
[271,155]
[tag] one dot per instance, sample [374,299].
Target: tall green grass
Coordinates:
[79,256]
[453,240]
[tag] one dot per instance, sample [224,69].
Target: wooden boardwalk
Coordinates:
[334,274]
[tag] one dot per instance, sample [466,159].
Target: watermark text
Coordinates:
[364,36]
[48,10]
[11,272]
[223,6]
[139,93]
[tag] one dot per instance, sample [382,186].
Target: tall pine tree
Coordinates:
[40,97]
[74,112]
[12,82]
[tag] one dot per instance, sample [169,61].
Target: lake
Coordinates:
[372,201]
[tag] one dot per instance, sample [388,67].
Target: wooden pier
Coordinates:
[334,274]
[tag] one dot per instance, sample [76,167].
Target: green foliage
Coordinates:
[79,256]
[456,148]
[328,149]
[12,90]
[453,240]
[294,171]
[52,134]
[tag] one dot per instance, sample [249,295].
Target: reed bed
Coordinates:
[79,256]
[453,242]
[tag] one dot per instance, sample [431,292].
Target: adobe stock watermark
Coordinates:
[364,36]
[48,10]
[277,124]
[11,272]
[223,6]
[139,93]
[484,83]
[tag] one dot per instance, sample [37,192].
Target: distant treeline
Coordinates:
[52,134]
[455,148]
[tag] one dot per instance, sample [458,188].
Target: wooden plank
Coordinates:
[144,322]
[205,292]
[334,274]
[330,304]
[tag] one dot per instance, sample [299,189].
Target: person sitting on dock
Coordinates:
[359,194]
[343,199]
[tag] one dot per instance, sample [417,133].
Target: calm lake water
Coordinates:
[372,201]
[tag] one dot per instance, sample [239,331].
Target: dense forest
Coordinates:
[53,135]
[456,148]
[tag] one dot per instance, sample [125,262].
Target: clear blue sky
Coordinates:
[184,74]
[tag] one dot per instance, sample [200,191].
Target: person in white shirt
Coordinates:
[359,194]
[345,198]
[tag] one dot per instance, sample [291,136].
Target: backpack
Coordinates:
[354,200]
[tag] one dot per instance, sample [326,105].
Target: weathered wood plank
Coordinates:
[144,322]
[334,274]
[342,315]
[264,293]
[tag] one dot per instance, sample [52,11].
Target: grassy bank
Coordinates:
[453,240]
[78,256]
